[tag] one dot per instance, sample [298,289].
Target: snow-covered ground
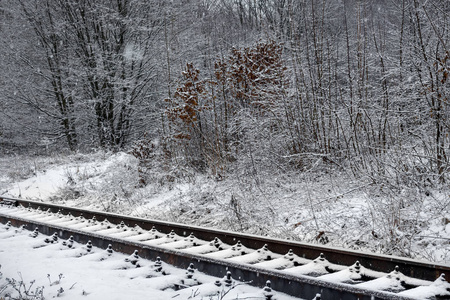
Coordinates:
[30,268]
[332,208]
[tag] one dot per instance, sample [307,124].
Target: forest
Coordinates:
[253,90]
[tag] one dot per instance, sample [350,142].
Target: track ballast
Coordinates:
[298,269]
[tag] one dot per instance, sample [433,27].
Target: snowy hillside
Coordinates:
[333,209]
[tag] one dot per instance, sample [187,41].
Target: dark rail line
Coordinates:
[377,262]
[301,286]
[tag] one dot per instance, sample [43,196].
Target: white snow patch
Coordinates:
[53,270]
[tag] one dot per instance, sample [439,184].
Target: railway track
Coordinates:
[298,269]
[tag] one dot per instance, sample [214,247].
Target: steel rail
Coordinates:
[377,262]
[300,286]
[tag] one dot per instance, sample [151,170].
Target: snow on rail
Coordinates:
[42,267]
[356,275]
